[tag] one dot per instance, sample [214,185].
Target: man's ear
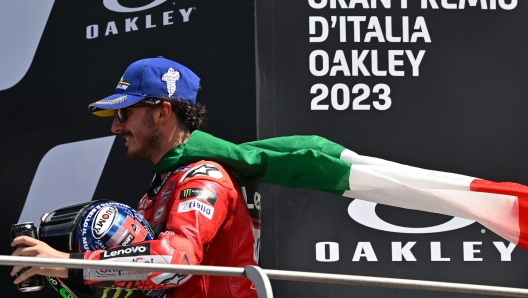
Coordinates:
[165,112]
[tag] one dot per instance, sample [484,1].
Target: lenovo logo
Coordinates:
[127,251]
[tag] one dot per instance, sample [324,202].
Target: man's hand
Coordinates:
[36,248]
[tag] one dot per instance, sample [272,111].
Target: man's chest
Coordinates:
[156,204]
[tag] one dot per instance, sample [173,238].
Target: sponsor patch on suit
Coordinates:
[127,251]
[196,205]
[203,170]
[199,193]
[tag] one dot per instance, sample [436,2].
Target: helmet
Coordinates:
[92,226]
[107,224]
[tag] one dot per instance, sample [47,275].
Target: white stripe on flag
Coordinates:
[379,181]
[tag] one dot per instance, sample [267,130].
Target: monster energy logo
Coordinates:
[199,193]
[117,293]
[187,192]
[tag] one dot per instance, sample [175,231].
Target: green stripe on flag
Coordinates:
[295,161]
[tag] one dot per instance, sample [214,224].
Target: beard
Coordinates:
[147,141]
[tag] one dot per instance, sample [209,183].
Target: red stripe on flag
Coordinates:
[512,189]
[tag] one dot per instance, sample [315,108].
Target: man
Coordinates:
[198,210]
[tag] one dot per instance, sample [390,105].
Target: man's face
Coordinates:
[140,132]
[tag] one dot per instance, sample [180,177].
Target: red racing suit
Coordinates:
[201,216]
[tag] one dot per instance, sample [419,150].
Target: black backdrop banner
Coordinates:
[52,141]
[437,84]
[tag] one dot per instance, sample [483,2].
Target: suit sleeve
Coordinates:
[198,209]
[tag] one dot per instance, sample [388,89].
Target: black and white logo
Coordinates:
[203,170]
[171,278]
[128,240]
[136,250]
[103,221]
[135,228]
[132,23]
[114,5]
[364,213]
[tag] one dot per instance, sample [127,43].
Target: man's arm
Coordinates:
[167,249]
[192,223]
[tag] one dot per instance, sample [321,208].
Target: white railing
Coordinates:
[260,277]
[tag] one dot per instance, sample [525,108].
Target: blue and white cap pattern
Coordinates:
[152,77]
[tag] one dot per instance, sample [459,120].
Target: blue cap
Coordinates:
[152,77]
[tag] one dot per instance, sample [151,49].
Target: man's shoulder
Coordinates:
[203,170]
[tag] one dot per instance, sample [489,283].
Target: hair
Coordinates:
[192,115]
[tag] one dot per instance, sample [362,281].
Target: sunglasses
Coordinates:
[121,114]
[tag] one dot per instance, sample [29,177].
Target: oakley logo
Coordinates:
[114,5]
[364,213]
[22,23]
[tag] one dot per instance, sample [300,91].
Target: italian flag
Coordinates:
[317,163]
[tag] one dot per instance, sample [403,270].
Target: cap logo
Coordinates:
[171,77]
[122,85]
[113,101]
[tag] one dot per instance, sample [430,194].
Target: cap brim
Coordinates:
[105,107]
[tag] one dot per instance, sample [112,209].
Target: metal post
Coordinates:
[260,280]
